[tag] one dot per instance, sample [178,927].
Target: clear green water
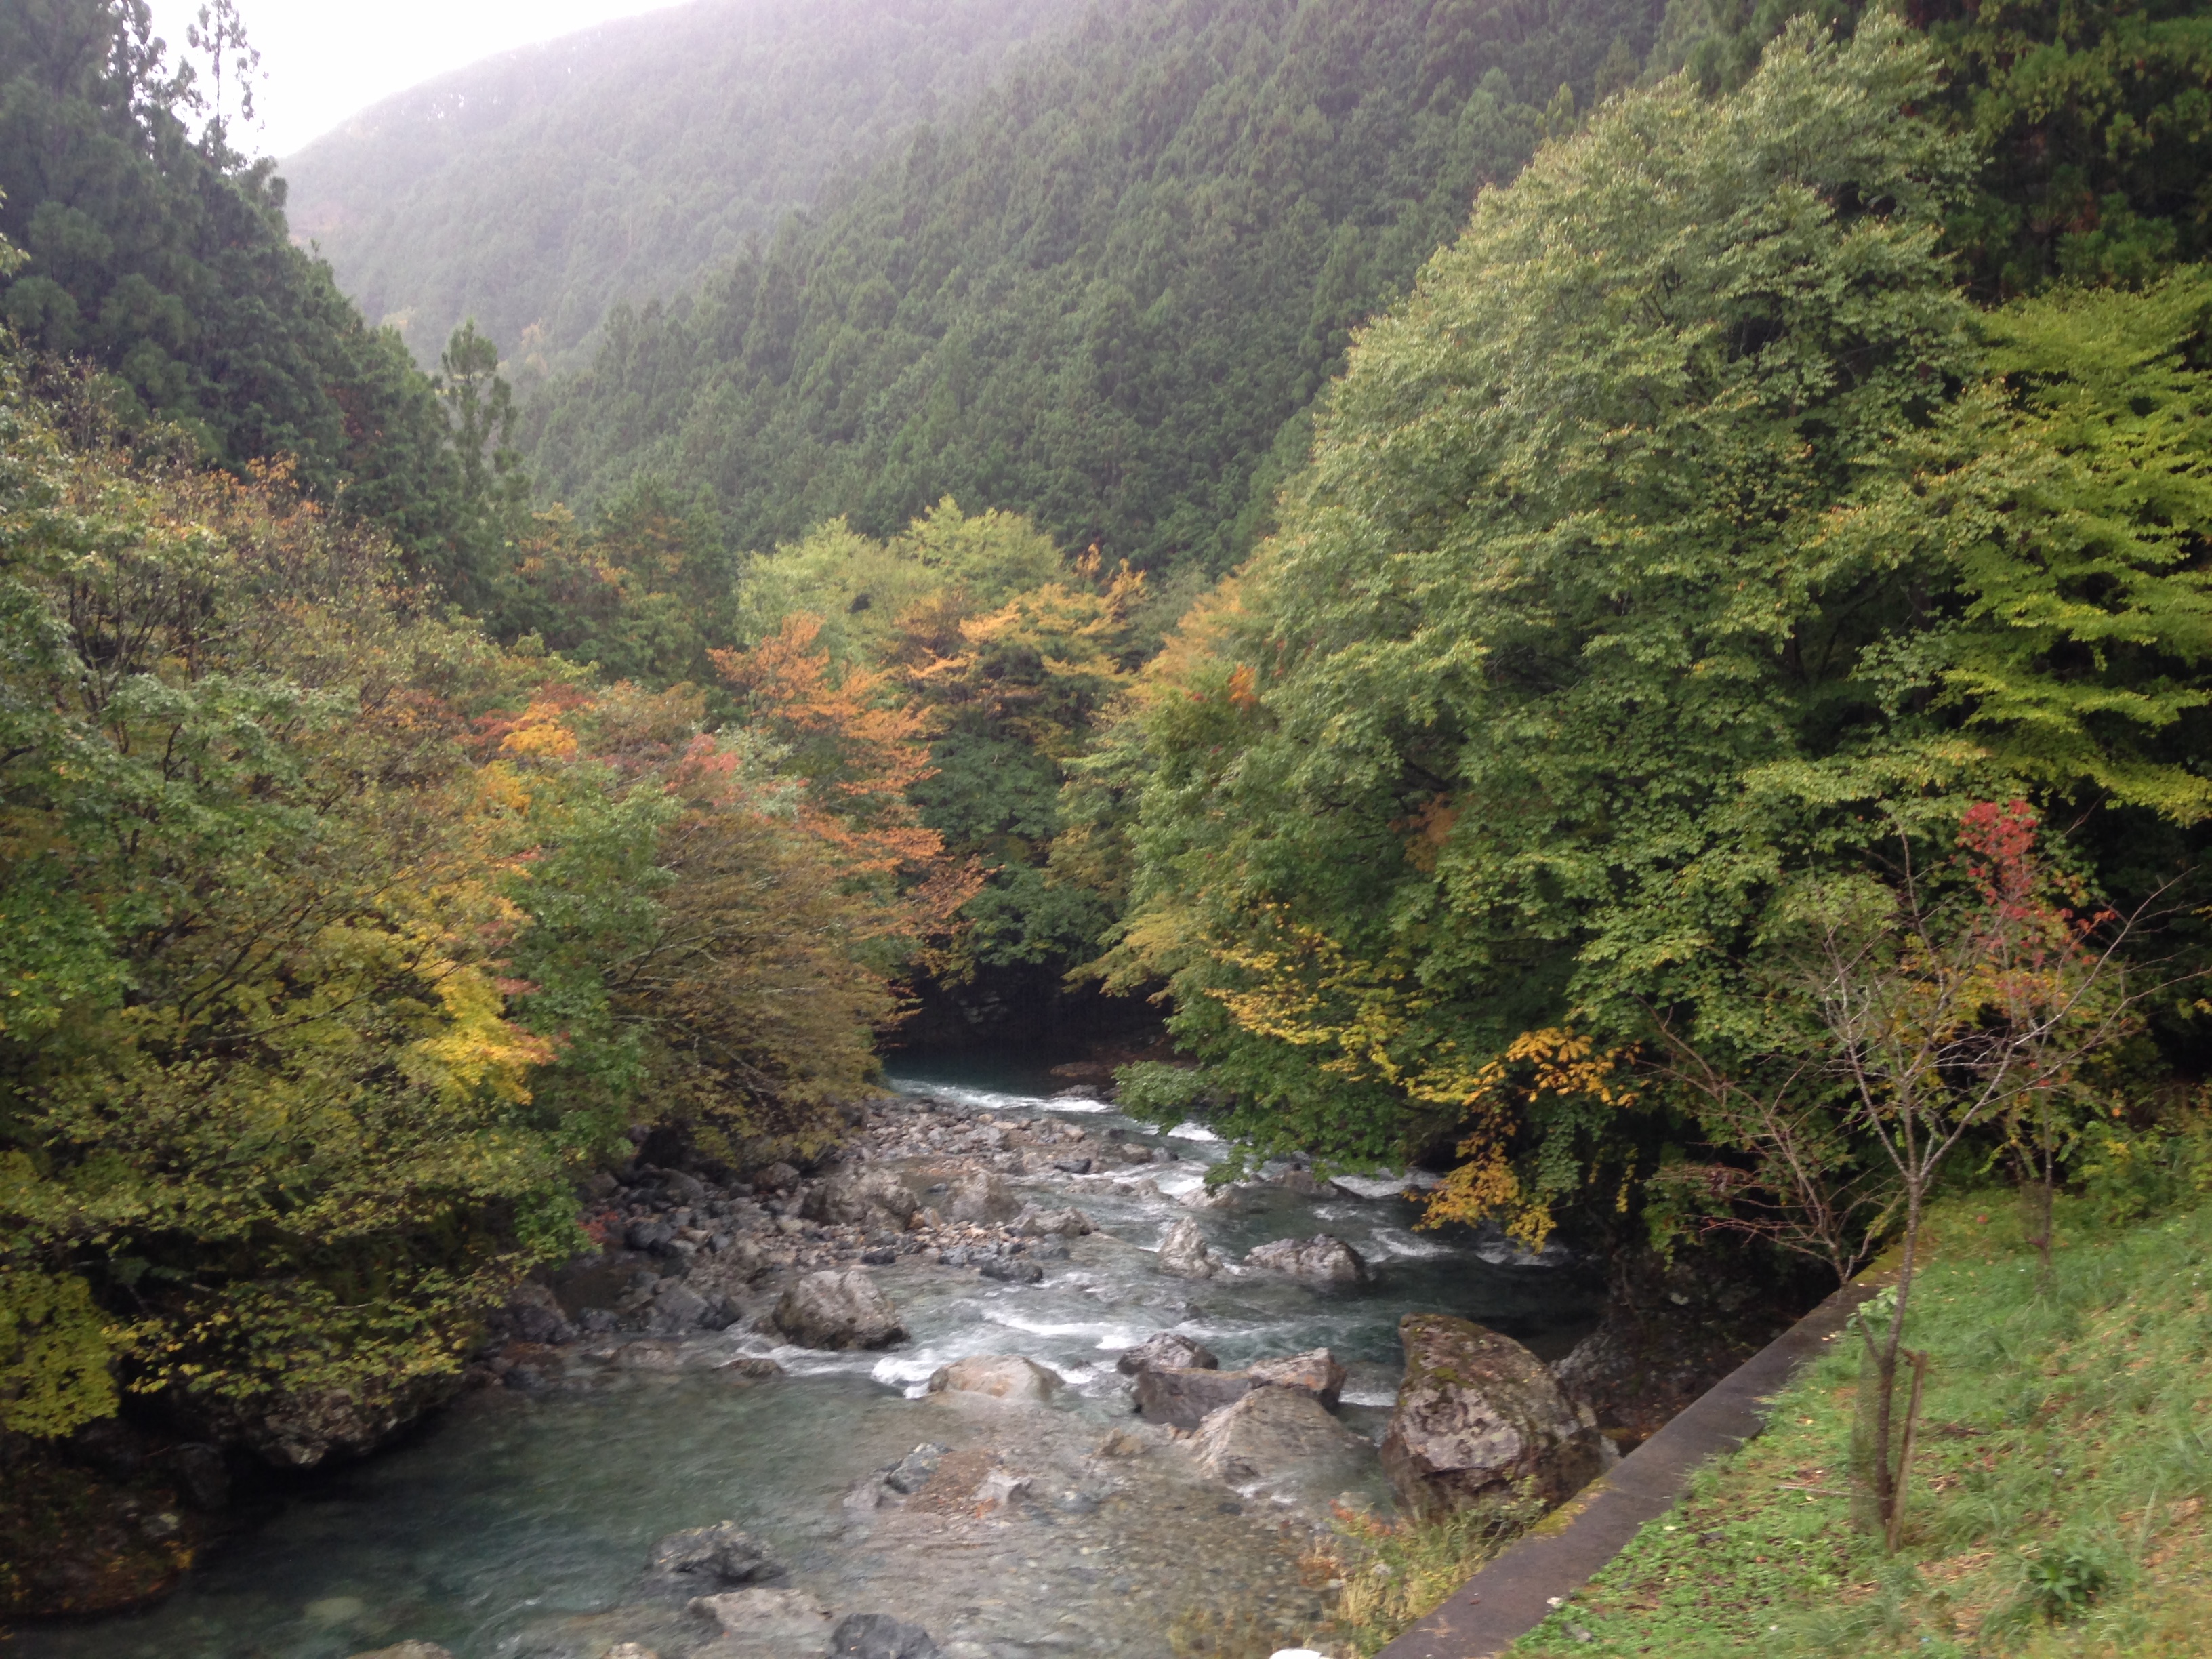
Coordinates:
[506,1524]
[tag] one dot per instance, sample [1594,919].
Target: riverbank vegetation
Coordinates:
[2056,1498]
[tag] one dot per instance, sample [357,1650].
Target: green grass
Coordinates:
[2056,1504]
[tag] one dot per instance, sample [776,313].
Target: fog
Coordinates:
[324,60]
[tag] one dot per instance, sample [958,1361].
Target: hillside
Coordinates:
[152,258]
[1101,297]
[532,190]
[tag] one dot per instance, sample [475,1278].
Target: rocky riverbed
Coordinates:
[759,1349]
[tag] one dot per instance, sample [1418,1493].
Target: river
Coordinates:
[508,1525]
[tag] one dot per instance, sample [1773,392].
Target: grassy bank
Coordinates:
[2057,1498]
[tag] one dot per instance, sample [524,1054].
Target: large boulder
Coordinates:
[1183,1252]
[702,1560]
[980,1197]
[866,1195]
[1285,1440]
[1323,1258]
[838,1310]
[1476,1415]
[1166,1348]
[997,1376]
[1183,1396]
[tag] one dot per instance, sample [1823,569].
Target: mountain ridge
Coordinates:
[531,190]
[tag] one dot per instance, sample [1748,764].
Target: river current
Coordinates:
[505,1527]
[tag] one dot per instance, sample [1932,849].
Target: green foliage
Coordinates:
[1101,298]
[55,1350]
[1549,672]
[2095,120]
[2126,1174]
[339,944]
[2063,1584]
[643,593]
[2097,123]
[2067,495]
[534,189]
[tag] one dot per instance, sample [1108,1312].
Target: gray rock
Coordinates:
[1183,1253]
[1185,1397]
[532,1315]
[704,1559]
[1227,1198]
[777,1177]
[768,1621]
[1285,1439]
[1317,1372]
[982,1196]
[651,1354]
[867,1196]
[1323,1258]
[748,1366]
[838,1310]
[1070,1222]
[1012,1271]
[1000,1376]
[999,1488]
[676,1307]
[1476,1415]
[410,1650]
[1166,1348]
[684,1189]
[879,1636]
[911,1473]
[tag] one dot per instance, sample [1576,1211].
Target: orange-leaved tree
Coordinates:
[860,751]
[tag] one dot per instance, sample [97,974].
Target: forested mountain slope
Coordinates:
[1100,298]
[532,191]
[159,264]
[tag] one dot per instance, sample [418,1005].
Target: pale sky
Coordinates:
[323,60]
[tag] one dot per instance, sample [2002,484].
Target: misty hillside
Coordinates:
[531,190]
[1103,296]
